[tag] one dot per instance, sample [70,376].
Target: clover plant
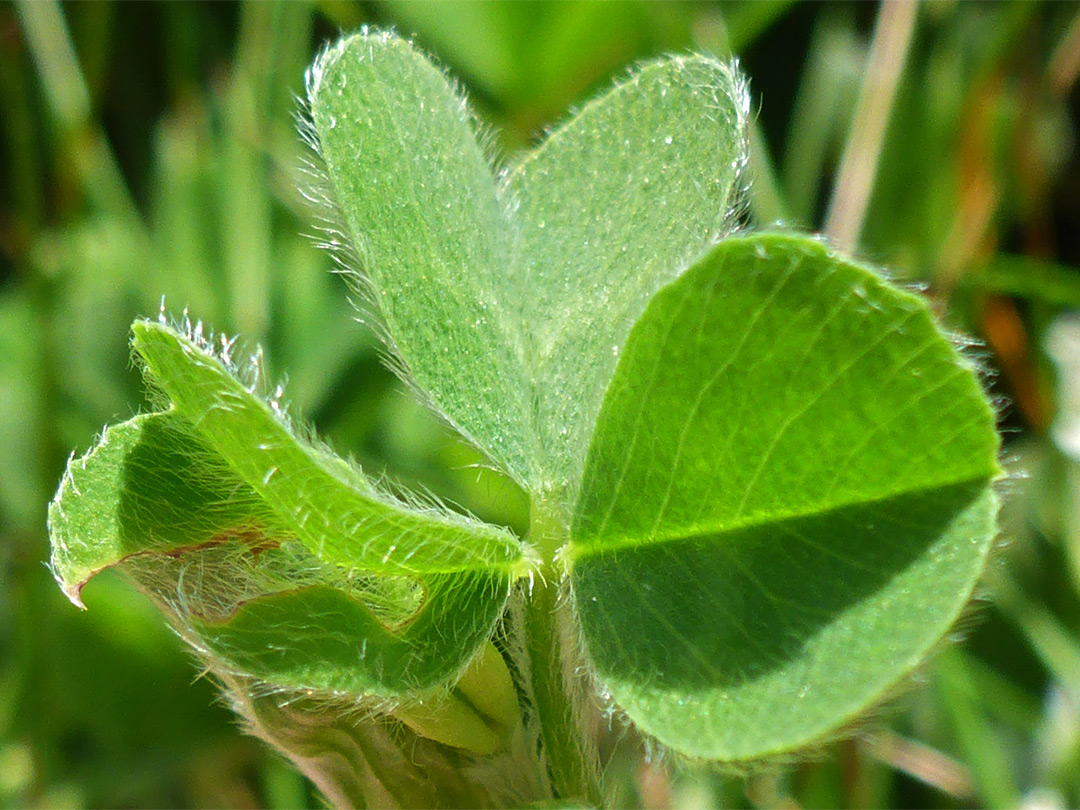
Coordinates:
[760,476]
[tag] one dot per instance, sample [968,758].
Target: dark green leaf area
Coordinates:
[786,500]
[768,638]
[324,638]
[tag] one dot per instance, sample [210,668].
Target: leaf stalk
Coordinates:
[571,760]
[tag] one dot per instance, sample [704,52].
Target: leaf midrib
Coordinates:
[576,550]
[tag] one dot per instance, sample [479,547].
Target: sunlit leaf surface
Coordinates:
[298,587]
[787,500]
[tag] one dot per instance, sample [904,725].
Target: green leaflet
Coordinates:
[322,500]
[422,215]
[221,556]
[613,205]
[149,486]
[786,502]
[324,638]
[508,305]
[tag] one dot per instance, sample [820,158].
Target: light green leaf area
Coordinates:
[508,304]
[786,501]
[325,638]
[613,205]
[421,212]
[102,512]
[319,498]
[156,501]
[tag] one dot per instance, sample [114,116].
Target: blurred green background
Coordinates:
[150,150]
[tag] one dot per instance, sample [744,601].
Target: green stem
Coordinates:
[356,761]
[570,758]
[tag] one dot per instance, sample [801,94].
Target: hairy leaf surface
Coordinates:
[786,502]
[324,637]
[421,211]
[149,486]
[321,499]
[611,206]
[222,558]
[509,305]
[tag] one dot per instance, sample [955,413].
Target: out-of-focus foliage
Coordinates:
[149,150]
